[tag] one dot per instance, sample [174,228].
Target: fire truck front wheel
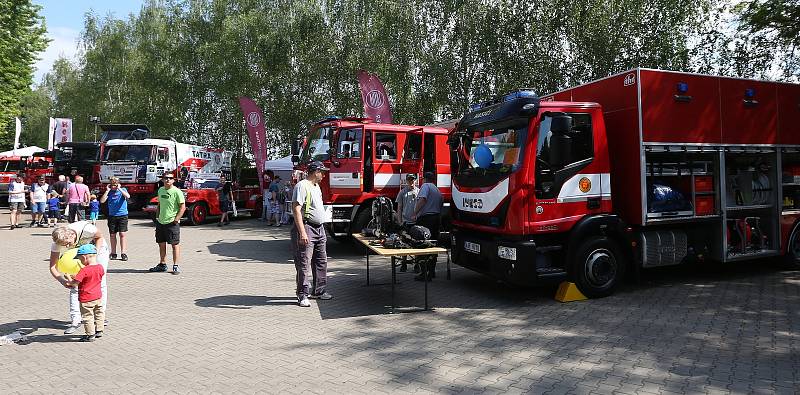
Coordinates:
[792,259]
[197,213]
[597,267]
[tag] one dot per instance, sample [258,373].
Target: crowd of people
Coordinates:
[88,292]
[67,198]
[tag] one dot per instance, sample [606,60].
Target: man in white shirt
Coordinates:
[16,200]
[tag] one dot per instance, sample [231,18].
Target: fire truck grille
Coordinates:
[341,213]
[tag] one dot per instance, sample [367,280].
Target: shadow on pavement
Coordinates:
[245,301]
[250,250]
[51,338]
[128,271]
[30,326]
[678,322]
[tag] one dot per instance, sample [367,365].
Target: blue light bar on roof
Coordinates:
[520,94]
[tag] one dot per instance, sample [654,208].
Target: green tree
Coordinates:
[22,36]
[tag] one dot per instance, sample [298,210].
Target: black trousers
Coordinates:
[430,221]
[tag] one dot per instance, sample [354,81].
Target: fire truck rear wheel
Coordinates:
[597,267]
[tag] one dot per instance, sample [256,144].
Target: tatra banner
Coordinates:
[254,119]
[373,95]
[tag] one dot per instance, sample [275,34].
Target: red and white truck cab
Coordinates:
[368,160]
[642,169]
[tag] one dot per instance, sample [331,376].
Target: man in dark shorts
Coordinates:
[171,206]
[117,198]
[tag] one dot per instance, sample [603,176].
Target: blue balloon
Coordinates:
[483,156]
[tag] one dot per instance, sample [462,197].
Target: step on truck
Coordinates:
[643,169]
[368,160]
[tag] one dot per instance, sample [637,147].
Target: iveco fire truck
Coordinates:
[139,164]
[643,169]
[368,160]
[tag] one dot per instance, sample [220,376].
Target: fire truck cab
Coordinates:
[643,169]
[368,160]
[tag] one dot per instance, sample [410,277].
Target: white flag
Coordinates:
[18,132]
[51,135]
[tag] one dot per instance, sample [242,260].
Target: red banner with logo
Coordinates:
[254,119]
[373,95]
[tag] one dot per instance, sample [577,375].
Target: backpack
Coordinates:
[383,216]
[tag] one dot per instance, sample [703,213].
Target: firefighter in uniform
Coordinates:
[308,237]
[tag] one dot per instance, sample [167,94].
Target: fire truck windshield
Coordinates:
[129,153]
[10,165]
[487,153]
[318,145]
[77,154]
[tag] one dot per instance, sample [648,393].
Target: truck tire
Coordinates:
[597,267]
[792,258]
[197,213]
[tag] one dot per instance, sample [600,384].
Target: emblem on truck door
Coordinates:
[585,184]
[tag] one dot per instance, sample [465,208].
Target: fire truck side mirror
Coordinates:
[560,150]
[561,124]
[560,142]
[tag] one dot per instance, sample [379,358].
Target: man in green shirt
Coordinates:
[171,205]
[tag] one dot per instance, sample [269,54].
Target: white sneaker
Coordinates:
[304,302]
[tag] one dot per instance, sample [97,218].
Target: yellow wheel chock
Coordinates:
[568,292]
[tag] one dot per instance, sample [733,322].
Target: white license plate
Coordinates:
[472,247]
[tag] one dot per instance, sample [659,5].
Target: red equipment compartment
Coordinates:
[788,114]
[670,115]
[704,205]
[717,112]
[703,184]
[748,119]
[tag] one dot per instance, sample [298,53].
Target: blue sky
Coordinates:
[64,19]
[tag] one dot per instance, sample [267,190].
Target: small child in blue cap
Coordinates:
[90,293]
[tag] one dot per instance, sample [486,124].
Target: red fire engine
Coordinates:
[33,166]
[642,169]
[368,160]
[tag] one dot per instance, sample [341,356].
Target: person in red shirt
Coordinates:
[90,295]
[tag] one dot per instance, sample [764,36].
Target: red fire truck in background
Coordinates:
[33,166]
[368,160]
[643,169]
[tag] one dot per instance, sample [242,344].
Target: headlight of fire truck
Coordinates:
[509,253]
